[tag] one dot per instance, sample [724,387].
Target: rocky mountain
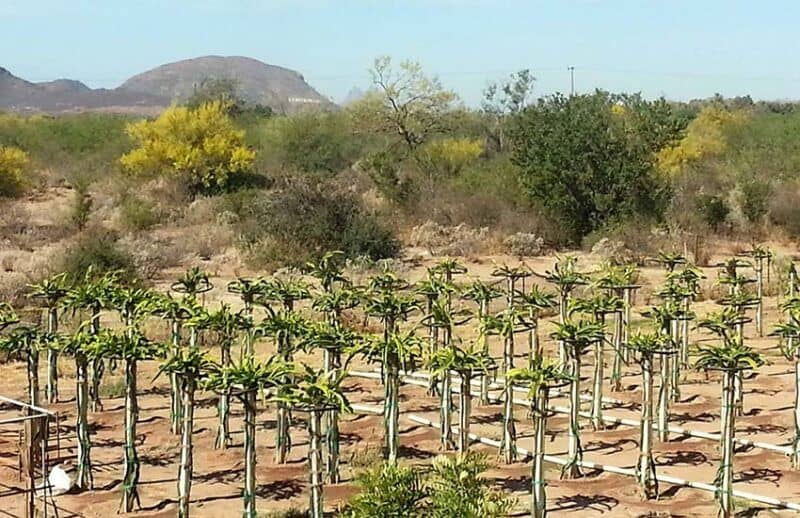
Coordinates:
[284,90]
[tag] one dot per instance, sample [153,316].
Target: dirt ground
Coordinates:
[216,491]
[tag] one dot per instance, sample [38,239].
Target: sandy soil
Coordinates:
[218,474]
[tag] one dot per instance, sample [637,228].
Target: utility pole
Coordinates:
[571,80]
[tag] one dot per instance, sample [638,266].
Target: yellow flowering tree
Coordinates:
[14,165]
[199,146]
[705,136]
[448,156]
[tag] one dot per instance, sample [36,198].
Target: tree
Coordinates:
[51,291]
[315,392]
[222,90]
[191,366]
[730,357]
[244,379]
[589,159]
[315,142]
[540,377]
[201,147]
[577,337]
[501,100]
[404,102]
[130,347]
[14,167]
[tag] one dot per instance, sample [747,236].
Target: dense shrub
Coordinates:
[302,219]
[753,197]
[97,249]
[784,208]
[314,142]
[713,209]
[137,214]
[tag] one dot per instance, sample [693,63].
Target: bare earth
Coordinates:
[216,491]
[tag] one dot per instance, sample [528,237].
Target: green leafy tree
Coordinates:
[589,159]
[405,102]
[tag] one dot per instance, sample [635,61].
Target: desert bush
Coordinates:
[302,219]
[628,241]
[753,197]
[82,201]
[14,166]
[314,142]
[713,209]
[99,250]
[201,147]
[445,240]
[137,214]
[784,208]
[524,244]
[86,142]
[385,168]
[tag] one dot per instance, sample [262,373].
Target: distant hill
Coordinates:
[284,90]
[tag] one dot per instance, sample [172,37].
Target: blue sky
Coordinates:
[677,48]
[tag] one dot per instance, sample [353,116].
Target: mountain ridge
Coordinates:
[282,89]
